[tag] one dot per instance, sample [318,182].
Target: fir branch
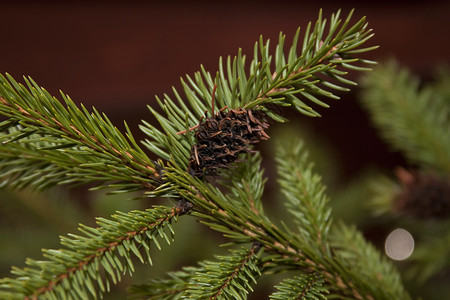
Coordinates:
[369,272]
[312,252]
[236,218]
[305,194]
[66,144]
[75,272]
[307,202]
[232,214]
[412,120]
[230,277]
[312,72]
[309,73]
[301,287]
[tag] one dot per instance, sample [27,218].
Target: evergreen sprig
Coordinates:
[413,120]
[313,250]
[75,272]
[44,143]
[230,277]
[301,287]
[370,273]
[307,202]
[305,194]
[314,70]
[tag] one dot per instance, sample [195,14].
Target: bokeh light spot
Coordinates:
[399,244]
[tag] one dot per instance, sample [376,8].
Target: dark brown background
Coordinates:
[118,55]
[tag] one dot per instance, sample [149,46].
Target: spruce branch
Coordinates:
[370,272]
[233,214]
[301,287]
[75,271]
[305,194]
[313,251]
[230,277]
[169,288]
[412,120]
[316,70]
[44,143]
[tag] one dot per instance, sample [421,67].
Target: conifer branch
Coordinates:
[315,71]
[305,194]
[311,251]
[74,272]
[360,261]
[301,287]
[44,143]
[308,204]
[230,277]
[412,120]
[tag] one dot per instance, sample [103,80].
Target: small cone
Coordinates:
[221,138]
